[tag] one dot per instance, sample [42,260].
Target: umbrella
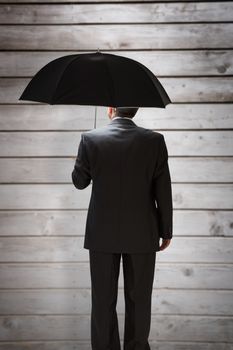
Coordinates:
[99,79]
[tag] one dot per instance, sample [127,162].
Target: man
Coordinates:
[128,167]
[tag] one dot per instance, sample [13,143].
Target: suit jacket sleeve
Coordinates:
[81,175]
[162,192]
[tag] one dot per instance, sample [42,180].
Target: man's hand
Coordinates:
[165,243]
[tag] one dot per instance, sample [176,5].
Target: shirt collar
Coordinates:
[122,118]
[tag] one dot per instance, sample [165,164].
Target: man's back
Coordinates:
[129,171]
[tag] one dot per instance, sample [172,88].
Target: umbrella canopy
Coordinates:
[99,79]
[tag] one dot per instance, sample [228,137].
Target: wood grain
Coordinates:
[185,196]
[57,118]
[70,249]
[58,170]
[115,37]
[62,223]
[123,13]
[65,144]
[67,327]
[74,301]
[77,275]
[209,62]
[85,345]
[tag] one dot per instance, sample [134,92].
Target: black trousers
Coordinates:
[138,272]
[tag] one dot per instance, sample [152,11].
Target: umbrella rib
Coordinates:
[162,92]
[111,85]
[76,57]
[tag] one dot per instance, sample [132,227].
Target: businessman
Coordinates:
[130,210]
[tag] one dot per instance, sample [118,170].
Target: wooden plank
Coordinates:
[47,196]
[45,223]
[27,144]
[77,275]
[86,345]
[174,116]
[46,117]
[70,249]
[116,37]
[65,144]
[124,13]
[192,328]
[166,302]
[66,327]
[57,170]
[55,196]
[204,196]
[87,1]
[72,222]
[200,169]
[162,63]
[196,89]
[199,89]
[196,143]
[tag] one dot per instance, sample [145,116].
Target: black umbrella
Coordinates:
[99,79]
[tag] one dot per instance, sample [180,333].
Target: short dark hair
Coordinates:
[128,112]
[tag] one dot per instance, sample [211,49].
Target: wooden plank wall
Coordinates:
[44,270]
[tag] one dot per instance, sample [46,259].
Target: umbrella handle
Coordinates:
[95,117]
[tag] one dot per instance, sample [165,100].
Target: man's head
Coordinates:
[128,112]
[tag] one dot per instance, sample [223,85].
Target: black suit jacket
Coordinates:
[131,199]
